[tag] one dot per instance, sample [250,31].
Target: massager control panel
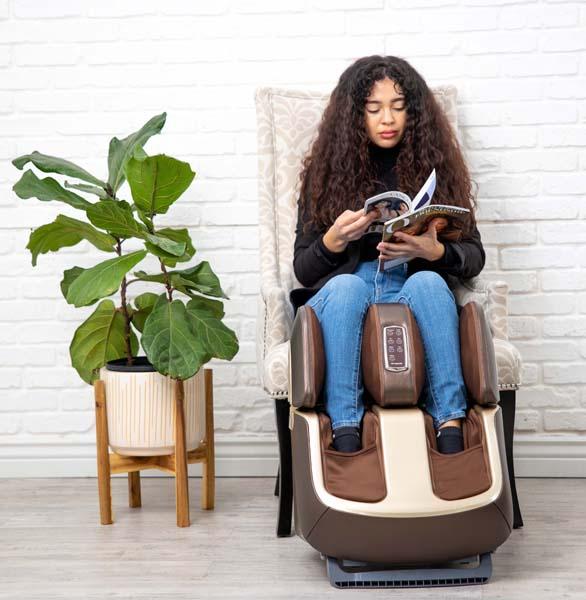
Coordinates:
[395,348]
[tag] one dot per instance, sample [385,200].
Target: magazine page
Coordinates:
[417,222]
[425,194]
[421,200]
[391,204]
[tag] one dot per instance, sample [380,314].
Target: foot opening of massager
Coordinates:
[463,474]
[354,475]
[360,476]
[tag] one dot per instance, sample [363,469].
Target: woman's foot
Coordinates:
[450,438]
[346,439]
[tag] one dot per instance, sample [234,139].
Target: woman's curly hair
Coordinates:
[337,173]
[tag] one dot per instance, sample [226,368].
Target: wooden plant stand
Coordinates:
[110,462]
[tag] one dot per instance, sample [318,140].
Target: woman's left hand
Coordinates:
[425,245]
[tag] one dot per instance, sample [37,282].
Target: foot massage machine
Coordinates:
[398,513]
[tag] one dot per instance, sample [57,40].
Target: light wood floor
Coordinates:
[52,546]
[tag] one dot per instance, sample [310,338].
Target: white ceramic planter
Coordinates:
[141,412]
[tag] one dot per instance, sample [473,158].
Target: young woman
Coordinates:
[381,130]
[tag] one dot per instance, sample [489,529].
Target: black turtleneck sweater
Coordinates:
[384,161]
[314,264]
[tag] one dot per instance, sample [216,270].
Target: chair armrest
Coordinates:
[274,322]
[492,296]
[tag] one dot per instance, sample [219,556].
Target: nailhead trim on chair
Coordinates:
[502,386]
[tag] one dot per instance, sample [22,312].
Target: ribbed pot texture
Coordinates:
[141,412]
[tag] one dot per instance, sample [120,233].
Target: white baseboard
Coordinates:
[234,458]
[543,456]
[550,456]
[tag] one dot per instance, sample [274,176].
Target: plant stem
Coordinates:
[167,283]
[127,332]
[163,269]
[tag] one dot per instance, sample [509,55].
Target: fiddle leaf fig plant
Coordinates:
[180,328]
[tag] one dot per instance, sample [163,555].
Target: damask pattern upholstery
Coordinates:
[287,123]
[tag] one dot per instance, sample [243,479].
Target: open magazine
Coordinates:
[400,213]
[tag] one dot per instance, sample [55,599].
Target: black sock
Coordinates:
[450,440]
[346,439]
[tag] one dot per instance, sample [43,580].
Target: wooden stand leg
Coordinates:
[181,480]
[208,482]
[134,500]
[103,455]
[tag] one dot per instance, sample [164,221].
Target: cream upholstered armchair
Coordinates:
[287,123]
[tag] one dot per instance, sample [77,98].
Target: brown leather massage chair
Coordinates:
[397,513]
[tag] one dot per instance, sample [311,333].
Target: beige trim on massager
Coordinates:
[406,463]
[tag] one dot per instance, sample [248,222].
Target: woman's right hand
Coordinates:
[349,226]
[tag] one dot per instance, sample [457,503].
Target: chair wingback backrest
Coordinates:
[287,122]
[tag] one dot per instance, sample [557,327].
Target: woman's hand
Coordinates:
[425,245]
[349,226]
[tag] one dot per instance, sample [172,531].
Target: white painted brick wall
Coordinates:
[74,73]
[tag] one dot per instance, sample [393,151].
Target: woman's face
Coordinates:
[385,113]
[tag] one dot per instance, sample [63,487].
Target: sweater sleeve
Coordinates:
[463,259]
[312,260]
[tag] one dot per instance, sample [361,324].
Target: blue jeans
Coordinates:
[341,305]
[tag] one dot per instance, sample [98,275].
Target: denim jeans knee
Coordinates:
[347,283]
[340,307]
[434,308]
[427,282]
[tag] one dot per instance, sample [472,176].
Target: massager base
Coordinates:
[471,570]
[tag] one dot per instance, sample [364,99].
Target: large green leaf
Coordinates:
[65,231]
[175,280]
[52,164]
[117,218]
[69,276]
[102,280]
[214,307]
[157,181]
[200,278]
[218,340]
[88,189]
[144,276]
[167,245]
[180,236]
[121,151]
[139,153]
[148,223]
[169,342]
[30,186]
[99,339]
[144,304]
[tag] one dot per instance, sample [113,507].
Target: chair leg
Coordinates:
[277,483]
[285,469]
[507,403]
